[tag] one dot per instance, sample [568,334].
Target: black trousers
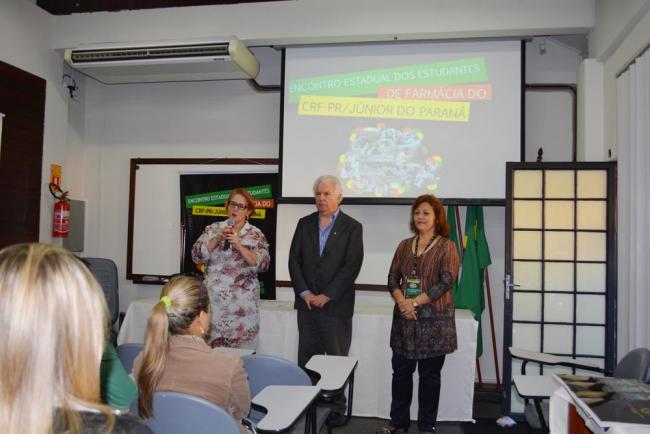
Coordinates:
[323,334]
[428,391]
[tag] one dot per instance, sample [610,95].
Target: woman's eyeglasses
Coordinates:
[237,205]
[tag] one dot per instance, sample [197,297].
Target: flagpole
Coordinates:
[459,233]
[488,290]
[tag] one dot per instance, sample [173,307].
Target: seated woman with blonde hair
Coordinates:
[53,315]
[176,357]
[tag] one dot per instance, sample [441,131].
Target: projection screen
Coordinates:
[400,120]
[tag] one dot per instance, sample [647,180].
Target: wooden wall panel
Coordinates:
[22,100]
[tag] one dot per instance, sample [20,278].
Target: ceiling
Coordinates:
[67,7]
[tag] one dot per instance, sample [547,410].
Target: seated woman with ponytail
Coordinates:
[176,357]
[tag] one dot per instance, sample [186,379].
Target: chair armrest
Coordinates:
[551,359]
[249,424]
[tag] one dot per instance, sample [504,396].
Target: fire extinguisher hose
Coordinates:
[56,191]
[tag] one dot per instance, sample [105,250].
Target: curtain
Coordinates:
[633,94]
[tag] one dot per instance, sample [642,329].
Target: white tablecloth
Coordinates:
[370,344]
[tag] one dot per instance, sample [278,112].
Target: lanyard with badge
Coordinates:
[414,281]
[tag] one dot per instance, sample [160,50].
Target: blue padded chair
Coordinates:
[105,271]
[265,371]
[127,354]
[175,413]
[635,365]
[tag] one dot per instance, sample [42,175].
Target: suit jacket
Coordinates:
[333,273]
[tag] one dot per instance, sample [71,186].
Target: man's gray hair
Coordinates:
[328,179]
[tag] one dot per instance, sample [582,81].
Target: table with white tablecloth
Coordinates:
[370,345]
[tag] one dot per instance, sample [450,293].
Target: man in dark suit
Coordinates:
[324,261]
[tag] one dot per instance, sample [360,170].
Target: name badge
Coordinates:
[413,286]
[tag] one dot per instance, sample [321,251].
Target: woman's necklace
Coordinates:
[416,257]
[417,243]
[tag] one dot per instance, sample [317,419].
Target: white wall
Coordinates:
[549,114]
[25,33]
[203,119]
[622,31]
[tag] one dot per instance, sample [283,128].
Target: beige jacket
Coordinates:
[193,368]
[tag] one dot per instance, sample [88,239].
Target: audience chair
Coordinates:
[635,364]
[175,413]
[269,371]
[127,354]
[105,271]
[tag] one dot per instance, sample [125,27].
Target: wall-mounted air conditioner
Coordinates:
[164,61]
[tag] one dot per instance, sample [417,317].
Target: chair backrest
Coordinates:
[635,364]
[175,413]
[127,354]
[105,271]
[270,371]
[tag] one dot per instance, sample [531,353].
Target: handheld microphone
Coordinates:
[230,223]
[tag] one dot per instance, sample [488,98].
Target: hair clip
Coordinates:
[166,301]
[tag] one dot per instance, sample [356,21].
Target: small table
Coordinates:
[536,387]
[335,373]
[284,405]
[550,359]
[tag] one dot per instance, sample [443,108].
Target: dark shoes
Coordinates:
[391,430]
[337,419]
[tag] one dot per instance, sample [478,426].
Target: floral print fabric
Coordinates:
[233,285]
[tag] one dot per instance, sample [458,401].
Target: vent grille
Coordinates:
[207,50]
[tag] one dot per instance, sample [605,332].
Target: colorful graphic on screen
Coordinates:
[388,162]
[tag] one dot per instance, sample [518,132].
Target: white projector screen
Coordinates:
[400,120]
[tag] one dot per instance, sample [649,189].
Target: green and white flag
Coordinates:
[469,293]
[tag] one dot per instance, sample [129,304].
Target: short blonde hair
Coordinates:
[52,316]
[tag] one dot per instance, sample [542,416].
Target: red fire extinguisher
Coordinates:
[61,222]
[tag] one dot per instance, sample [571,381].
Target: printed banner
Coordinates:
[202,201]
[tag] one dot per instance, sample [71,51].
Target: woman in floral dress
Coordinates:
[233,252]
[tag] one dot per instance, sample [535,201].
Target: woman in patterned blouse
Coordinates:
[233,251]
[421,276]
